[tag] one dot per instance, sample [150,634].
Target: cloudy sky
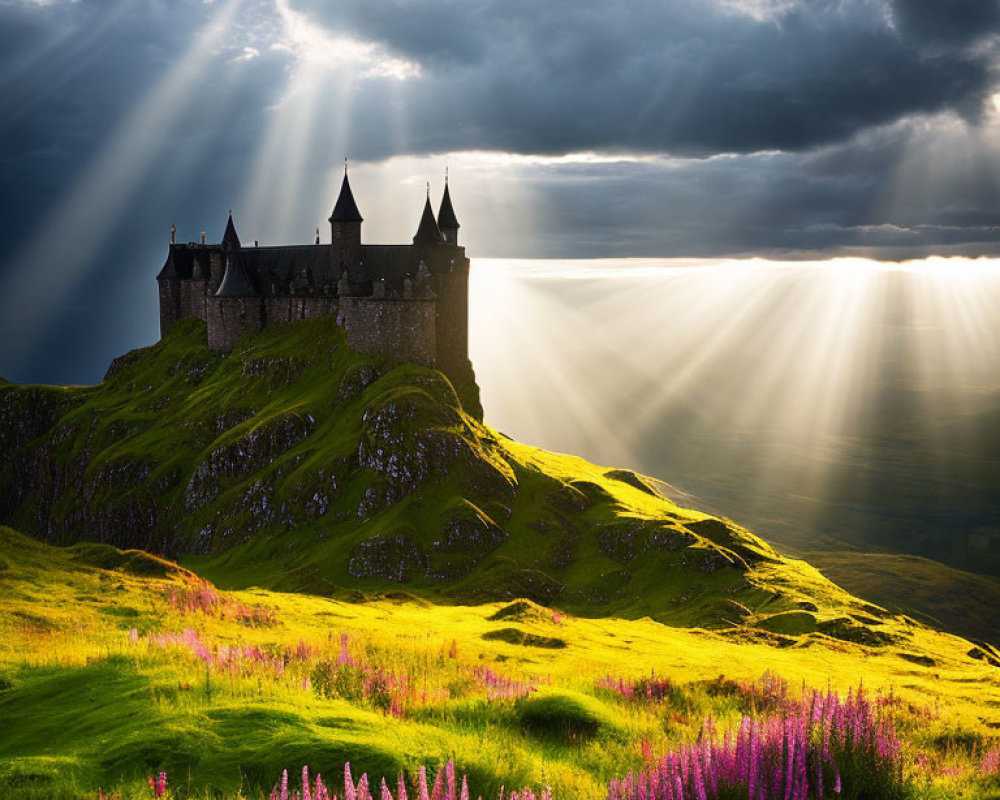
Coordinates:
[571,128]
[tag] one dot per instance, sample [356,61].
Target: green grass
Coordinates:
[566,716]
[85,706]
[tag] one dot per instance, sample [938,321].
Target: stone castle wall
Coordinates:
[193,299]
[431,330]
[229,318]
[403,329]
[289,309]
[170,304]
[452,322]
[400,328]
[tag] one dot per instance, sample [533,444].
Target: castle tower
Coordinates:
[345,236]
[447,221]
[428,231]
[169,286]
[237,307]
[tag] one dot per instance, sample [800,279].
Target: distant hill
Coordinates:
[946,598]
[899,480]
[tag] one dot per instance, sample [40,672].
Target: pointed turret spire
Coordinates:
[236,282]
[447,221]
[428,231]
[229,238]
[346,210]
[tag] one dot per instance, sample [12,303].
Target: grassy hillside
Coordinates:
[297,464]
[117,665]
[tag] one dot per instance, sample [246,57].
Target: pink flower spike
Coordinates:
[349,793]
[158,784]
[321,791]
[437,790]
[449,774]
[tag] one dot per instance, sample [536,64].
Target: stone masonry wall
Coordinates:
[231,317]
[289,309]
[193,299]
[400,328]
[452,323]
[170,304]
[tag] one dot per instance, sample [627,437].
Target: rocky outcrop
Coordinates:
[627,540]
[391,556]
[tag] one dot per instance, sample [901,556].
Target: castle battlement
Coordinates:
[408,301]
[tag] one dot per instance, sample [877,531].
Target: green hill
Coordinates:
[297,464]
[946,598]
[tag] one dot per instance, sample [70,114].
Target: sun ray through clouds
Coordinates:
[80,221]
[767,379]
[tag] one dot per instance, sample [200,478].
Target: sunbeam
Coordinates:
[810,398]
[79,223]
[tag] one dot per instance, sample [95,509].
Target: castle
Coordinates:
[407,301]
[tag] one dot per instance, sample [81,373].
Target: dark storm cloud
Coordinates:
[72,74]
[691,77]
[881,195]
[949,22]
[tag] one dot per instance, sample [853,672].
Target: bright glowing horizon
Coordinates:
[763,380]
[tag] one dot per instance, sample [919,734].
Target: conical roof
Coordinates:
[169,271]
[236,280]
[428,231]
[346,210]
[446,216]
[229,238]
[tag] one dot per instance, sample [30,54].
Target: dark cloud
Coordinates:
[947,22]
[683,77]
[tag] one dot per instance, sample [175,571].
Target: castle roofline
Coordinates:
[229,238]
[428,231]
[446,214]
[169,271]
[346,210]
[236,281]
